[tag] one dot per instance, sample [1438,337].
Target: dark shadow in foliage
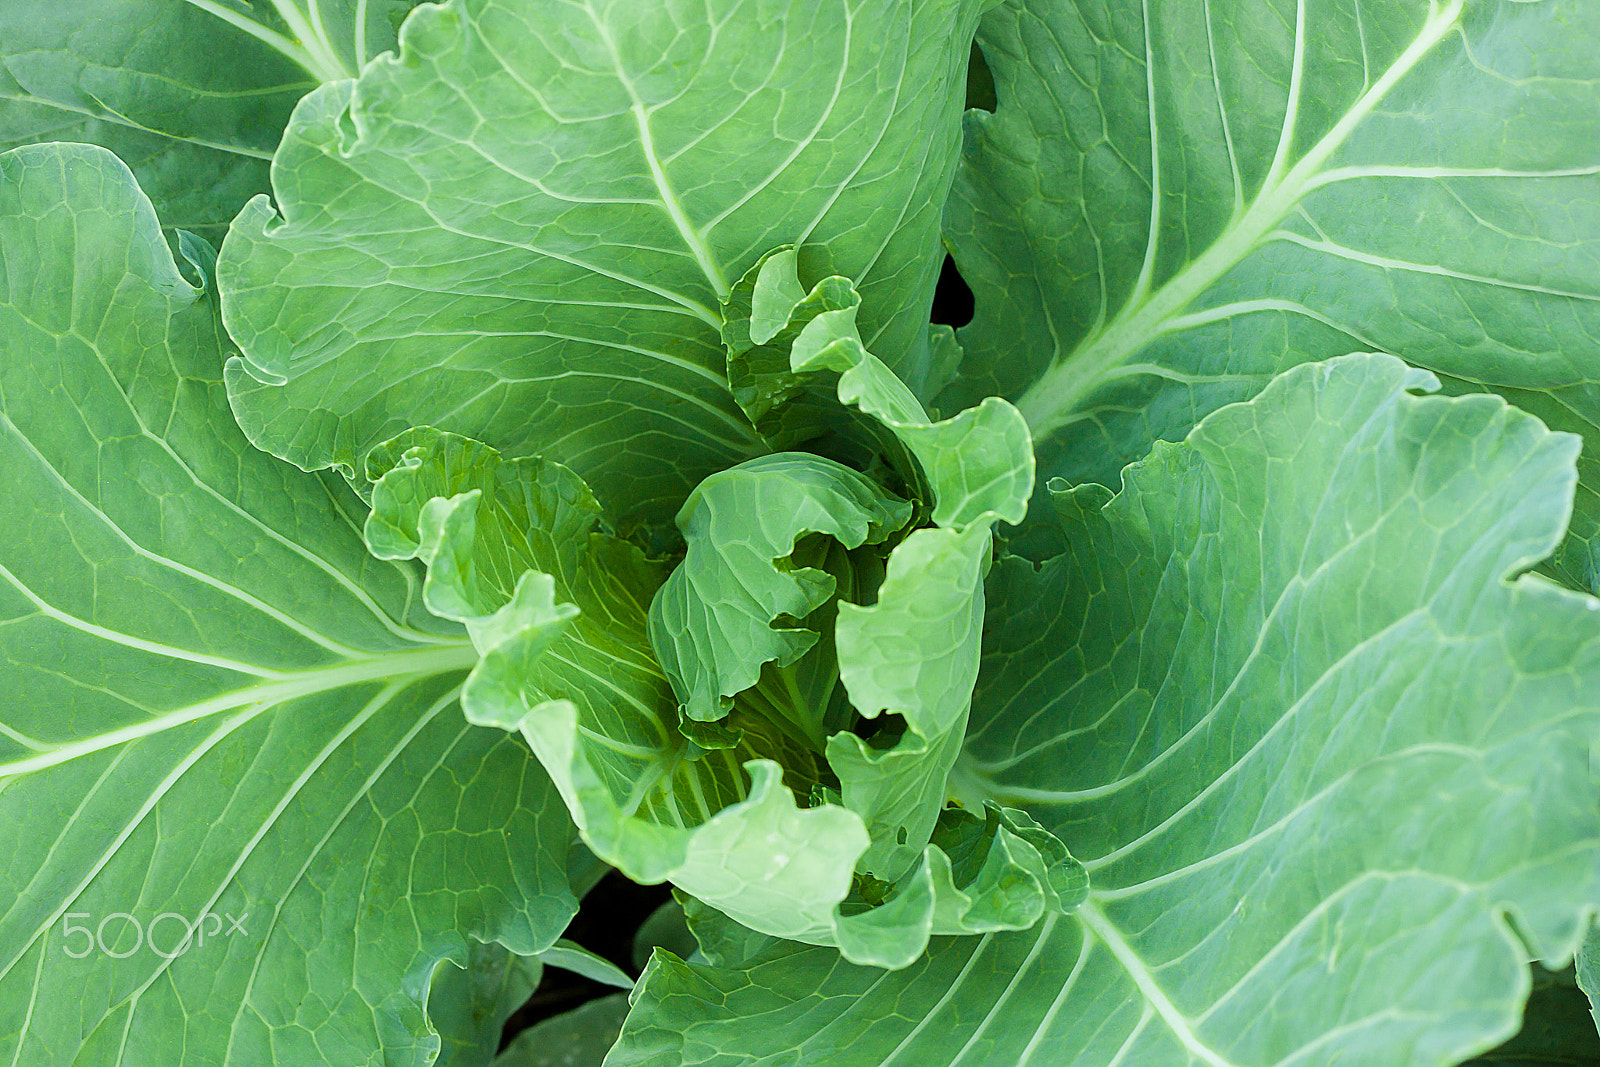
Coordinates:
[952,298]
[1557,1029]
[980,81]
[607,919]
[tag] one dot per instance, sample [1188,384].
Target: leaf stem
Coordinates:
[261,33]
[326,64]
[392,667]
[361,34]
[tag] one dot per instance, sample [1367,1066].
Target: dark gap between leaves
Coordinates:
[607,920]
[952,299]
[980,81]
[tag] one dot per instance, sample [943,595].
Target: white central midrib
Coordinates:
[311,52]
[1051,402]
[417,663]
[1180,1024]
[692,237]
[669,200]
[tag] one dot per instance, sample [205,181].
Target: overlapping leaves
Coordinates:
[216,703]
[1311,736]
[528,221]
[1318,741]
[518,552]
[192,96]
[1173,202]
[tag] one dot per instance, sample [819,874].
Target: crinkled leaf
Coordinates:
[713,622]
[791,411]
[1001,872]
[1350,742]
[520,229]
[558,609]
[1171,203]
[215,701]
[914,653]
[911,647]
[787,378]
[514,550]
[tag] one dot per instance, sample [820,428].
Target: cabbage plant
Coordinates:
[453,451]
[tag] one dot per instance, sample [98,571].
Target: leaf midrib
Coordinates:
[692,238]
[1051,402]
[409,664]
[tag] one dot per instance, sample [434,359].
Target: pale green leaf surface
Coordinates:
[1312,739]
[1174,201]
[716,621]
[192,95]
[521,228]
[215,701]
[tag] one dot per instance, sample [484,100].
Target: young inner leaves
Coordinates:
[804,652]
[905,642]
[1350,742]
[515,550]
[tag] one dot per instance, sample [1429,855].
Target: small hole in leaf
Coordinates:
[980,81]
[952,299]
[900,836]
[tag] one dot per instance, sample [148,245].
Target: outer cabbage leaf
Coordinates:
[1173,202]
[1351,743]
[578,1038]
[1557,1029]
[192,94]
[521,227]
[194,187]
[216,703]
[470,1005]
[571,956]
[1588,971]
